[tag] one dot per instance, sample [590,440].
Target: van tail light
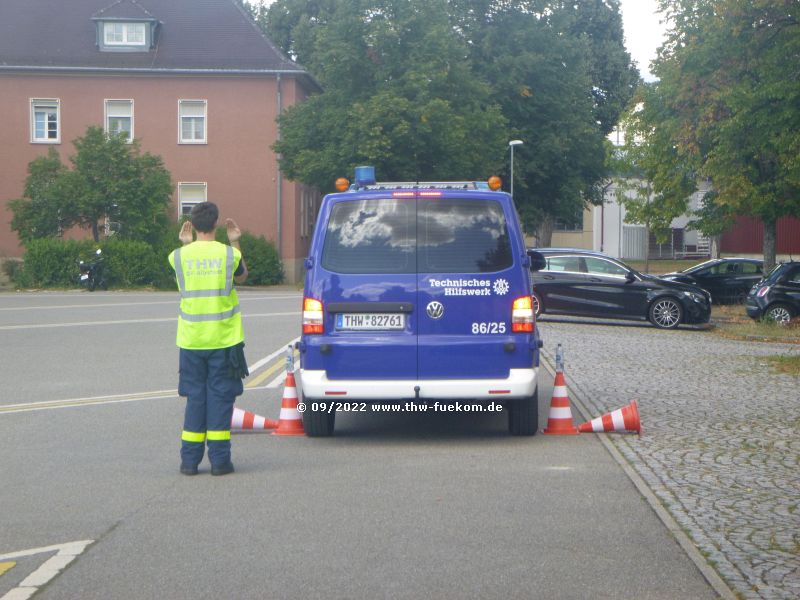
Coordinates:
[312,316]
[763,291]
[522,315]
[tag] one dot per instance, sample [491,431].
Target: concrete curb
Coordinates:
[708,572]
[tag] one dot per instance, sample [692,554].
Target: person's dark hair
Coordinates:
[204,216]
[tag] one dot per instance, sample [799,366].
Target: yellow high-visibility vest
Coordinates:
[209,314]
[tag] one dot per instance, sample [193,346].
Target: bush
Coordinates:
[263,263]
[53,263]
[127,263]
[262,260]
[12,267]
[130,263]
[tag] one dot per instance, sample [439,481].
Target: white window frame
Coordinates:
[108,114]
[127,29]
[181,117]
[190,203]
[45,103]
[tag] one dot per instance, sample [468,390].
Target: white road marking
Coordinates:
[65,554]
[257,365]
[133,321]
[135,397]
[242,297]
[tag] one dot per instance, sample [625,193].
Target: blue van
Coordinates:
[418,293]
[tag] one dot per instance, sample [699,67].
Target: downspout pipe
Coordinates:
[279,190]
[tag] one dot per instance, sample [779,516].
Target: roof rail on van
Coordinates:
[431,185]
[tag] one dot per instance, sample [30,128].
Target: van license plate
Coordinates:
[370,321]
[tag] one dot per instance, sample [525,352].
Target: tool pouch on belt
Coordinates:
[237,362]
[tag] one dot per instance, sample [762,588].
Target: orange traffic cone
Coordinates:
[244,420]
[559,421]
[622,419]
[290,421]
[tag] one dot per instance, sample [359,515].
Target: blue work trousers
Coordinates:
[210,390]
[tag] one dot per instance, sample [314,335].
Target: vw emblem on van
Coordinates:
[435,310]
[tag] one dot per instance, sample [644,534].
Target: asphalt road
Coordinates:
[394,506]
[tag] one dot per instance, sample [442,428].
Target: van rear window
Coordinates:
[391,235]
[371,236]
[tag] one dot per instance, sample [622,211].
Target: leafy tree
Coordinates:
[712,220]
[434,89]
[110,179]
[727,107]
[399,94]
[538,60]
[38,214]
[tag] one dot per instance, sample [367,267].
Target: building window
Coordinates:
[192,121]
[190,194]
[119,118]
[123,34]
[573,224]
[46,121]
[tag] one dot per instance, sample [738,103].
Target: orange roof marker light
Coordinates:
[495,183]
[342,184]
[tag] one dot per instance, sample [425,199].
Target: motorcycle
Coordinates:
[91,273]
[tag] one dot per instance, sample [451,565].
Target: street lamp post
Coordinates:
[511,145]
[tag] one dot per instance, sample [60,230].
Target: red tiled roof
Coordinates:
[192,35]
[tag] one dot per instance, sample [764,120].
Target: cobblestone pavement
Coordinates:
[720,438]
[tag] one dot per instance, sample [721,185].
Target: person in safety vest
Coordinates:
[210,338]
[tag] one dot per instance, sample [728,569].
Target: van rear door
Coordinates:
[467,283]
[367,277]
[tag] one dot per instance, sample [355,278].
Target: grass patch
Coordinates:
[786,365]
[733,323]
[662,266]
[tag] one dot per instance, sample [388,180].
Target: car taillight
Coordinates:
[522,315]
[763,291]
[312,316]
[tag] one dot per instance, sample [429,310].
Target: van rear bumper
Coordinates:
[315,385]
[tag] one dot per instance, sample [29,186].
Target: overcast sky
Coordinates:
[643,32]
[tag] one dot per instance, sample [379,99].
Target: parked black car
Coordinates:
[777,297]
[586,283]
[728,280]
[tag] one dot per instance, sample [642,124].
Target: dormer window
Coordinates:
[125,26]
[124,34]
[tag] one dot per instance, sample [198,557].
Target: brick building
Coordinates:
[195,81]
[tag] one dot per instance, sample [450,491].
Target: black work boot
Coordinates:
[188,469]
[222,469]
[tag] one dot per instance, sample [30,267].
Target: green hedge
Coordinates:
[130,263]
[263,263]
[52,263]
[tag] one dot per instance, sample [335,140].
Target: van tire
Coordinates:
[523,415]
[319,423]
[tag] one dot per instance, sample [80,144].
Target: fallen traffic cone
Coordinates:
[244,420]
[622,419]
[290,421]
[559,422]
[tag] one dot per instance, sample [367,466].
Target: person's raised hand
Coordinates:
[234,233]
[186,236]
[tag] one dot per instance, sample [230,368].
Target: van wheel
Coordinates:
[523,415]
[318,423]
